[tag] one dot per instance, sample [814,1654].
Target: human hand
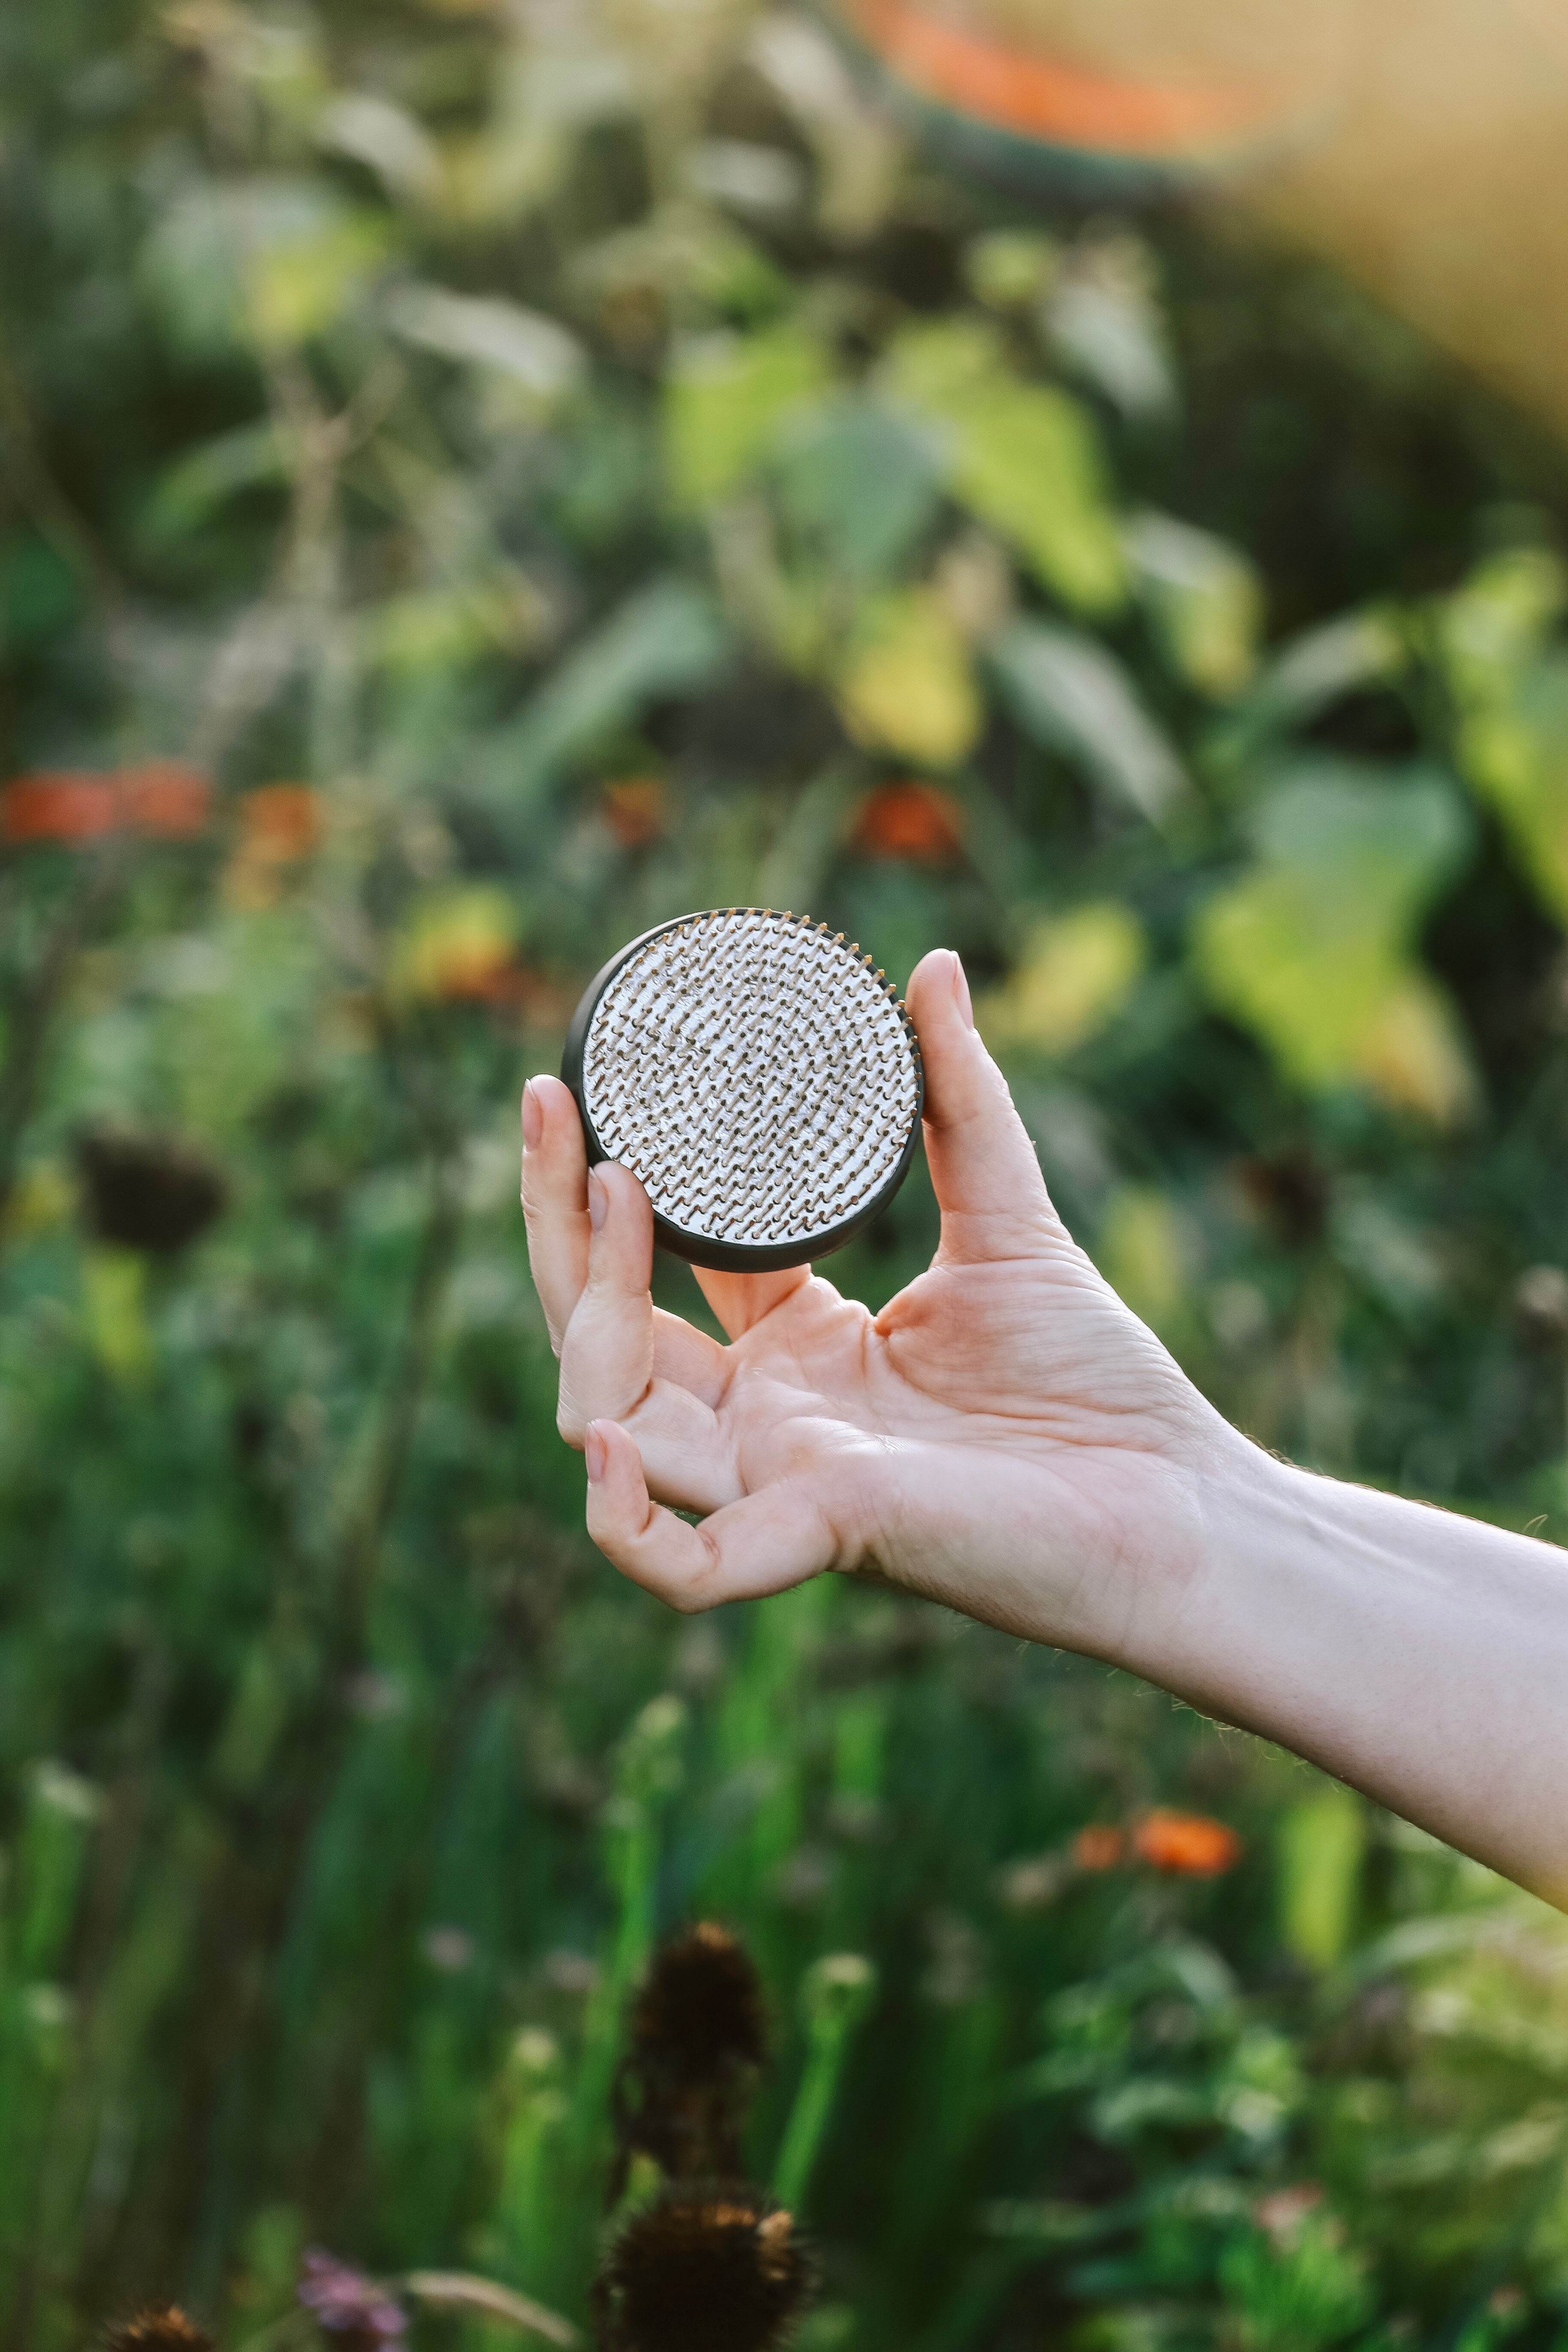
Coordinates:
[1004,1436]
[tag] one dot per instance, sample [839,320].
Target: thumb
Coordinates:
[987,1180]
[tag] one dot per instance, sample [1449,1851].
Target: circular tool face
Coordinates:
[758,1075]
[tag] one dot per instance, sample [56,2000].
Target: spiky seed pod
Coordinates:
[699,2035]
[701,2007]
[713,2266]
[148,1192]
[161,2328]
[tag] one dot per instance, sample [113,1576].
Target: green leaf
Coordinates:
[1072,696]
[1319,1844]
[529,349]
[666,640]
[1111,336]
[1310,951]
[191,490]
[1512,697]
[386,140]
[861,483]
[1024,457]
[305,257]
[1203,598]
[1009,268]
[1312,672]
[1298,2289]
[1516,758]
[1139,1251]
[726,398]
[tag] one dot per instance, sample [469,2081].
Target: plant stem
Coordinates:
[837,1990]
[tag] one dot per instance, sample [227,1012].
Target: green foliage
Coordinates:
[545,470]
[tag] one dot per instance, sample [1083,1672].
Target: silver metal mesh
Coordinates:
[755,1072]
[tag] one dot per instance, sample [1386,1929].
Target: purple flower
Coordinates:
[360,2315]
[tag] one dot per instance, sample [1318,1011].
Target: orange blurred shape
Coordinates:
[910,819]
[477,972]
[1188,1843]
[58,807]
[1098,1846]
[545,1002]
[1041,95]
[635,807]
[165,796]
[162,796]
[283,823]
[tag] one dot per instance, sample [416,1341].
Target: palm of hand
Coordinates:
[999,1432]
[1023,1383]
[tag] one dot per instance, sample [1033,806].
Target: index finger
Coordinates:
[554,1199]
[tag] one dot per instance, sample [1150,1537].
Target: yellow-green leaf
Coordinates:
[1024,457]
[726,396]
[1077,971]
[1139,1251]
[1319,1844]
[303,262]
[114,1303]
[1311,950]
[1515,753]
[910,686]
[1203,598]
[453,944]
[1413,1053]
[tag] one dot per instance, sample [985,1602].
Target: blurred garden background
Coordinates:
[480,480]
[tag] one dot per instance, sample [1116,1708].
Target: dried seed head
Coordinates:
[700,2008]
[161,2328]
[698,2037]
[148,1192]
[711,2267]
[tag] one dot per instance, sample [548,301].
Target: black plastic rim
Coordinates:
[701,1249]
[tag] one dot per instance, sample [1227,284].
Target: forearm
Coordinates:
[1420,1656]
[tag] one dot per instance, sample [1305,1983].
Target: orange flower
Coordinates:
[166,796]
[56,807]
[1187,1843]
[910,820]
[1098,1846]
[162,796]
[282,823]
[473,972]
[635,806]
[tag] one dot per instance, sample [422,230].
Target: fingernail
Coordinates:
[961,990]
[594,1454]
[598,1199]
[532,1119]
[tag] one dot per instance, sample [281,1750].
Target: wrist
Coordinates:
[1208,1609]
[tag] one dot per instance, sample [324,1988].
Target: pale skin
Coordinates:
[1008,1438]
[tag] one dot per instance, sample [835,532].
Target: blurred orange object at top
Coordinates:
[910,819]
[283,823]
[636,808]
[1037,89]
[161,796]
[1188,1843]
[1098,1846]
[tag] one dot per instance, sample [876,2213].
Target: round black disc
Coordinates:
[758,1075]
